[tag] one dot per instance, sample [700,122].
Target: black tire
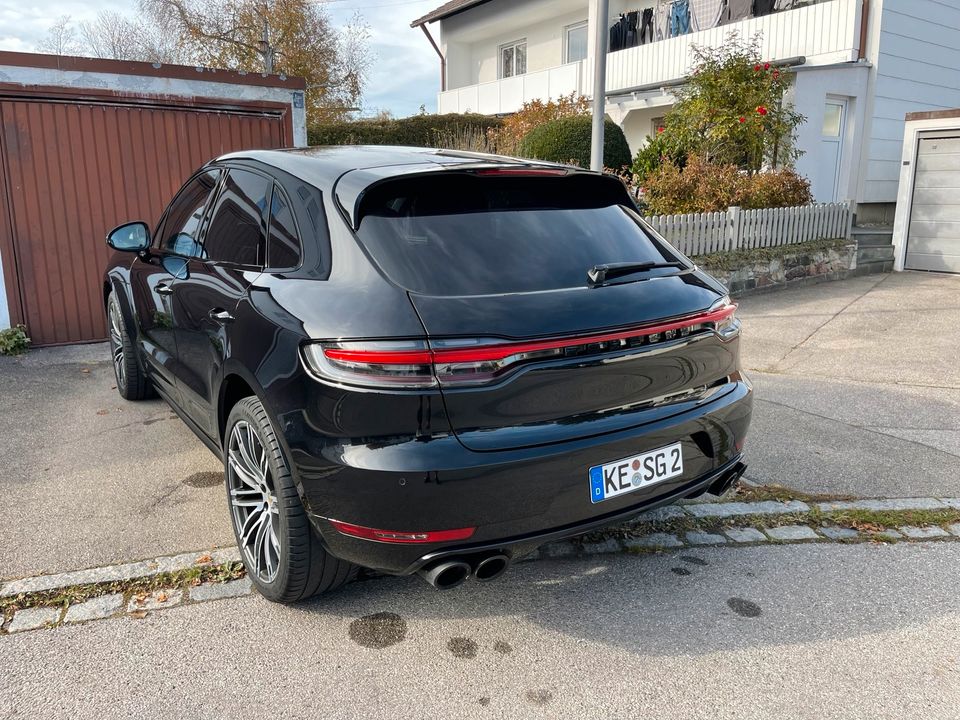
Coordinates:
[303,567]
[132,383]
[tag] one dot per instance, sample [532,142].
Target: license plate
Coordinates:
[634,473]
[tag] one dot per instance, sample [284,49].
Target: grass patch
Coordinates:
[760,493]
[190,577]
[736,259]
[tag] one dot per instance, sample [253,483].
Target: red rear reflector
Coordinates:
[395,536]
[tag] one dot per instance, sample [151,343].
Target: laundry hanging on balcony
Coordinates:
[679,18]
[706,14]
[735,11]
[763,7]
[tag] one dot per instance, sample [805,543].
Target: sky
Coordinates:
[405,71]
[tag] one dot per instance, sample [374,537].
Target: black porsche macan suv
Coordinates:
[425,361]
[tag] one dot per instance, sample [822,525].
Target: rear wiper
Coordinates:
[599,274]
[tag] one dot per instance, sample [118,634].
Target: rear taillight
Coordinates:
[399,364]
[401,536]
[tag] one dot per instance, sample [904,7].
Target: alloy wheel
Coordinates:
[253,501]
[116,343]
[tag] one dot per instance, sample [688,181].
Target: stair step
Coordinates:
[880,253]
[872,235]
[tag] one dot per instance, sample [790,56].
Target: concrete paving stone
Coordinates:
[923,533]
[698,537]
[955,529]
[610,545]
[661,514]
[558,549]
[113,573]
[95,608]
[890,535]
[885,504]
[654,540]
[745,535]
[33,618]
[952,502]
[839,533]
[792,533]
[219,591]
[735,509]
[157,600]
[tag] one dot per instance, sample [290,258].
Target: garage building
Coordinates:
[87,144]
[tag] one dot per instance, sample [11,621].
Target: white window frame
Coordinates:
[566,39]
[514,44]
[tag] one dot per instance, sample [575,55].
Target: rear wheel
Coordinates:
[132,384]
[282,554]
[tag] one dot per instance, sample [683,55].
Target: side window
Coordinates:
[237,230]
[182,224]
[283,249]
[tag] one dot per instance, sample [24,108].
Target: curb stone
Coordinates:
[923,533]
[745,535]
[33,619]
[698,537]
[221,591]
[157,600]
[792,533]
[885,504]
[94,609]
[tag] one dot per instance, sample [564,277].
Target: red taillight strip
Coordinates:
[521,172]
[403,537]
[504,350]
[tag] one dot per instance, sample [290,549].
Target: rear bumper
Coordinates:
[516,499]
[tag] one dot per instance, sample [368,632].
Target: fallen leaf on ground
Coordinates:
[162,597]
[85,371]
[138,614]
[103,412]
[140,598]
[205,558]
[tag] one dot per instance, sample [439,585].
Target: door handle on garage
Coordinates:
[220,315]
[163,289]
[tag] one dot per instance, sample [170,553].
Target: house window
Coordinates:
[575,47]
[513,59]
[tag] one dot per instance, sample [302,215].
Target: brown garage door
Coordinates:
[74,167]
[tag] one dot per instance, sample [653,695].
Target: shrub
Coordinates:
[702,186]
[14,340]
[534,114]
[418,130]
[652,155]
[776,188]
[567,140]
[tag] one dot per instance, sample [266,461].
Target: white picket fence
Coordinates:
[705,233]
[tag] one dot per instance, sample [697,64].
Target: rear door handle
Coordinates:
[163,289]
[220,315]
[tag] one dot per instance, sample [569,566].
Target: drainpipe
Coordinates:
[443,60]
[602,15]
[864,21]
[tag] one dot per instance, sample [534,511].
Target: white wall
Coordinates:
[917,68]
[812,86]
[471,40]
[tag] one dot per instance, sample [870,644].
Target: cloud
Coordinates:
[404,75]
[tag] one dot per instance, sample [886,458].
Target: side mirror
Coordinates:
[130,237]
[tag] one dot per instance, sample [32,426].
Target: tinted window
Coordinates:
[284,245]
[182,226]
[237,227]
[467,235]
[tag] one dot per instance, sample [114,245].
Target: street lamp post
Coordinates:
[601,16]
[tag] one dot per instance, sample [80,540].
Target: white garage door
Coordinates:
[934,239]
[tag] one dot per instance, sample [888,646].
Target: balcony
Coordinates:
[825,33]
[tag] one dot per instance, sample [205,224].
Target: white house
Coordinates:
[860,66]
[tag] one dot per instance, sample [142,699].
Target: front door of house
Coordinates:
[826,187]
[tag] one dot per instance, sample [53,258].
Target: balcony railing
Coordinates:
[824,33]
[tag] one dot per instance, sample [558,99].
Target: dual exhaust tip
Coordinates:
[448,574]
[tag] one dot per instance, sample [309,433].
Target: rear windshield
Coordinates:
[462,234]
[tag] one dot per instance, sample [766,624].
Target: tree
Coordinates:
[61,39]
[294,37]
[117,36]
[732,110]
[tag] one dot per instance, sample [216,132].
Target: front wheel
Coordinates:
[282,554]
[132,383]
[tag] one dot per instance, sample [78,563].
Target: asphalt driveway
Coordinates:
[858,393]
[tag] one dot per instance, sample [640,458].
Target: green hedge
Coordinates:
[568,140]
[418,130]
